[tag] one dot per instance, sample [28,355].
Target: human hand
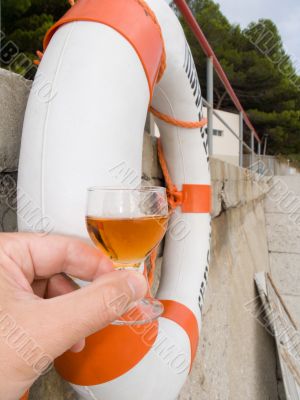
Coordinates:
[42,314]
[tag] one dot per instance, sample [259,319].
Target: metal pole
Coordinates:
[193,24]
[259,149]
[252,148]
[265,144]
[241,136]
[210,99]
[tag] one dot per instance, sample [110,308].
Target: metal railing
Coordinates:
[218,116]
[214,64]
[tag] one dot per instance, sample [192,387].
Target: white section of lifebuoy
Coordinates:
[97,74]
[178,94]
[93,122]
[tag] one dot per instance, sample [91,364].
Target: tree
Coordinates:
[24,24]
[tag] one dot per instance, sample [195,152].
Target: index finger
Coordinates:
[44,256]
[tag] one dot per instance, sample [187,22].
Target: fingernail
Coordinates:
[137,284]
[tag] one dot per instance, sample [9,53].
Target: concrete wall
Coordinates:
[14,92]
[236,357]
[270,164]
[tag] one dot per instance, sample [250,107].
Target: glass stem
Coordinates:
[138,268]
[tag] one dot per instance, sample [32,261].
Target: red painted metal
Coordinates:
[193,24]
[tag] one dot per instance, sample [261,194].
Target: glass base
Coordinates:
[145,311]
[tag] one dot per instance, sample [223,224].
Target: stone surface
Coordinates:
[151,170]
[285,270]
[284,196]
[52,387]
[283,233]
[282,208]
[236,358]
[14,92]
[8,216]
[293,305]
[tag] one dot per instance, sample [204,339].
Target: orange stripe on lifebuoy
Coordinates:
[196,198]
[193,198]
[130,19]
[113,351]
[108,354]
[184,317]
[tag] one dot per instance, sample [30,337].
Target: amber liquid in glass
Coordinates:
[127,240]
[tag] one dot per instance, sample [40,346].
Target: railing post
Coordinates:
[259,149]
[252,148]
[265,143]
[241,136]
[210,100]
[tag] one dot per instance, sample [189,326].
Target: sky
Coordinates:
[285,14]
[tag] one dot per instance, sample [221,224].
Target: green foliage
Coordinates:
[25,22]
[12,9]
[259,70]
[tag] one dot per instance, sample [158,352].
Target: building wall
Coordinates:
[225,147]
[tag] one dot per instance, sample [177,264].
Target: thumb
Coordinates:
[69,318]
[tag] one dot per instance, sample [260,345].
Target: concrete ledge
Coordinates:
[234,187]
[14,91]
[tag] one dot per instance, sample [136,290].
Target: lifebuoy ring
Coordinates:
[103,60]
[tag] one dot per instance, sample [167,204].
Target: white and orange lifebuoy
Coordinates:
[107,61]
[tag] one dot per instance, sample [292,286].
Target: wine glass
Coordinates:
[127,224]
